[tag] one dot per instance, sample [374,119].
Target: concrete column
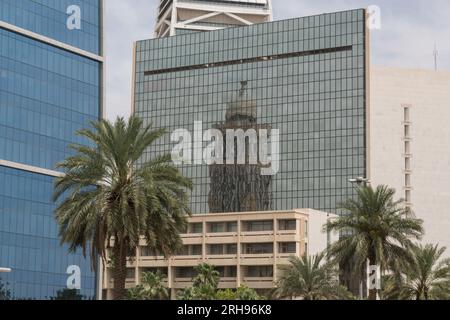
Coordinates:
[204,253]
[170,280]
[275,249]
[137,278]
[298,237]
[238,265]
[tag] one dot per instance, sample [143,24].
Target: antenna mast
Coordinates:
[435,54]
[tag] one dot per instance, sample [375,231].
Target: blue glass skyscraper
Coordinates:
[51,74]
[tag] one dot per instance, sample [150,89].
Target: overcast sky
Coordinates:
[410,29]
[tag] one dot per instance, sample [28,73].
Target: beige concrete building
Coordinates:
[246,248]
[410,143]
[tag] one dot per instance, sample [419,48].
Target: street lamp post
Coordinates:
[5,270]
[361,181]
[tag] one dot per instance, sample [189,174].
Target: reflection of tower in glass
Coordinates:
[239,187]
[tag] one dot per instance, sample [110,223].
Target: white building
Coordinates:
[180,16]
[410,143]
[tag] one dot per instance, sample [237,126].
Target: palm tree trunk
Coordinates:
[120,271]
[373,293]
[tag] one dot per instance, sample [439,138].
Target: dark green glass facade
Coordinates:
[307,78]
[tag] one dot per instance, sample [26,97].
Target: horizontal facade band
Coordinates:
[28,168]
[262,10]
[50,41]
[249,60]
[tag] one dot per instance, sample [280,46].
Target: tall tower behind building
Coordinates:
[177,17]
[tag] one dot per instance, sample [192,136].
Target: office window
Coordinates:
[259,272]
[185,272]
[190,250]
[227,271]
[216,249]
[232,226]
[222,227]
[231,248]
[131,272]
[216,227]
[196,250]
[255,226]
[257,248]
[287,225]
[149,252]
[184,251]
[287,247]
[196,228]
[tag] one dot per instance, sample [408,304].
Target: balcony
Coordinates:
[182,283]
[223,260]
[129,284]
[259,283]
[222,237]
[228,283]
[257,259]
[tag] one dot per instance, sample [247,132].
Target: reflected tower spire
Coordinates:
[239,187]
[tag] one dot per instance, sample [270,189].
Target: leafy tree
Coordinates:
[310,278]
[376,229]
[109,192]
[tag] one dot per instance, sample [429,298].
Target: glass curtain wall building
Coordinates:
[305,77]
[50,86]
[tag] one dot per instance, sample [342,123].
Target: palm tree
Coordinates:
[108,194]
[207,276]
[375,228]
[187,294]
[242,293]
[136,293]
[153,287]
[310,278]
[426,278]
[205,284]
[247,294]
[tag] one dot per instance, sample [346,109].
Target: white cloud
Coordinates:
[125,22]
